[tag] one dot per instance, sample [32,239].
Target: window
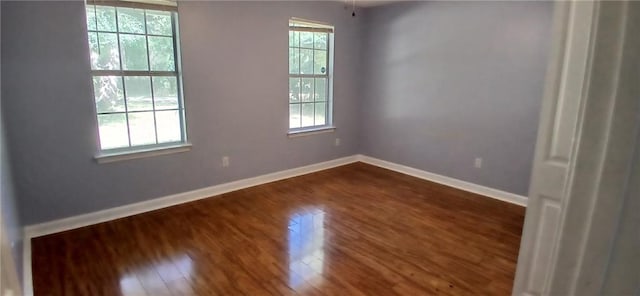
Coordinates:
[136,78]
[310,75]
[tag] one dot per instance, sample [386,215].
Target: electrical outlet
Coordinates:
[478,163]
[337,143]
[225,161]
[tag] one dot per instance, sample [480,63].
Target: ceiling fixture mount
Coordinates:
[353,8]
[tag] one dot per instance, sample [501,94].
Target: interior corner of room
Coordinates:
[450,113]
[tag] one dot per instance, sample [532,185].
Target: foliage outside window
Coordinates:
[136,78]
[310,79]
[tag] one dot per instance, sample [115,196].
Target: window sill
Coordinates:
[311,131]
[142,153]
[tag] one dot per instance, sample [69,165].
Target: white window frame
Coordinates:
[138,151]
[301,25]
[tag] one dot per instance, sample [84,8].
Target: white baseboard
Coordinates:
[448,181]
[74,222]
[64,224]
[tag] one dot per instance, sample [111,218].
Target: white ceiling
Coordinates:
[371,3]
[347,3]
[368,3]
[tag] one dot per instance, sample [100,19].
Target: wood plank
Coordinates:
[355,229]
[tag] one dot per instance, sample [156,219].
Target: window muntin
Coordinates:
[309,75]
[136,78]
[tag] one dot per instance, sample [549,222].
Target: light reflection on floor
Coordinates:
[148,279]
[306,246]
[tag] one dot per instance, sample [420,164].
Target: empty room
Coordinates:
[177,147]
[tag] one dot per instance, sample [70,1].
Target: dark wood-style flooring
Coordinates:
[351,230]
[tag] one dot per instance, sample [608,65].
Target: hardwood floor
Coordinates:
[351,230]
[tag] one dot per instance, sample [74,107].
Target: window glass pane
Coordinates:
[108,94]
[308,94]
[306,39]
[294,115]
[165,93]
[294,38]
[321,111]
[307,115]
[306,91]
[321,89]
[320,62]
[142,110]
[294,61]
[134,52]
[106,17]
[91,17]
[130,20]
[159,23]
[161,52]
[306,61]
[142,129]
[294,89]
[104,51]
[113,131]
[320,40]
[168,126]
[138,91]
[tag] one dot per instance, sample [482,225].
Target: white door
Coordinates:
[580,234]
[560,115]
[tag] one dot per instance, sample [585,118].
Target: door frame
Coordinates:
[593,67]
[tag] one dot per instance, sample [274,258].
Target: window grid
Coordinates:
[128,33]
[178,61]
[120,66]
[314,100]
[148,73]
[153,100]
[137,111]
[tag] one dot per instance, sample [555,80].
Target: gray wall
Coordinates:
[610,263]
[8,205]
[235,74]
[446,82]
[429,85]
[8,199]
[623,271]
